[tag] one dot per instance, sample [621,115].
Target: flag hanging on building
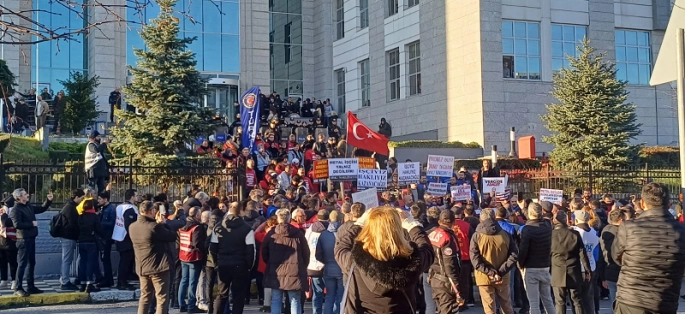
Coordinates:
[360,136]
[249,118]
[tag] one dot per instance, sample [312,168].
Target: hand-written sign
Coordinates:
[321,169]
[497,184]
[367,197]
[552,196]
[372,178]
[440,166]
[461,192]
[408,171]
[437,188]
[343,168]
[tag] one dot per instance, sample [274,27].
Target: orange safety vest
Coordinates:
[187,252]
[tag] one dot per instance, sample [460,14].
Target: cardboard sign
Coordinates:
[372,178]
[552,196]
[343,168]
[440,166]
[437,188]
[497,184]
[408,171]
[461,192]
[367,163]
[367,197]
[321,169]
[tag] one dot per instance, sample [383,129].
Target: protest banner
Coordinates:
[552,196]
[440,166]
[343,168]
[497,184]
[460,192]
[408,172]
[372,178]
[321,169]
[367,163]
[367,197]
[437,188]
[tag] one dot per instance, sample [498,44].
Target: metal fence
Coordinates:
[620,182]
[61,177]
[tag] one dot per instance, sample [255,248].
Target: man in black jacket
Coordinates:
[23,217]
[568,252]
[95,161]
[69,235]
[534,259]
[606,241]
[233,249]
[444,273]
[651,253]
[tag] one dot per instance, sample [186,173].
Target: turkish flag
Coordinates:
[360,136]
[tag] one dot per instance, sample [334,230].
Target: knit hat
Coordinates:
[581,216]
[322,215]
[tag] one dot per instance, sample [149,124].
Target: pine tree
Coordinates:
[80,109]
[166,89]
[7,78]
[592,124]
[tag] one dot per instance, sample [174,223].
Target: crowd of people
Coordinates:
[31,110]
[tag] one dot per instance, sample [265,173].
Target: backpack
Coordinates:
[57,225]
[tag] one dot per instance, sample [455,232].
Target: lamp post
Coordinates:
[494,155]
[512,138]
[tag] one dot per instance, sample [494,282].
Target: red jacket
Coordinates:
[463,231]
[259,237]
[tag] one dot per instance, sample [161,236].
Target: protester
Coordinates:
[108,216]
[534,259]
[95,161]
[69,233]
[90,234]
[606,241]
[332,274]
[192,253]
[444,272]
[591,243]
[569,258]
[128,214]
[464,233]
[8,247]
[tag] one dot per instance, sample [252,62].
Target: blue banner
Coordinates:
[249,117]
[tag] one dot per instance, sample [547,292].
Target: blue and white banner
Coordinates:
[249,117]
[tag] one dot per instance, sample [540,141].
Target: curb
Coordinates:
[7,302]
[114,296]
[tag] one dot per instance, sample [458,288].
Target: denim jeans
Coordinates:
[538,286]
[334,294]
[190,273]
[68,249]
[26,258]
[277,301]
[89,257]
[428,295]
[611,285]
[317,295]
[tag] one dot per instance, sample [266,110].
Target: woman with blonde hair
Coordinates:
[382,257]
[594,222]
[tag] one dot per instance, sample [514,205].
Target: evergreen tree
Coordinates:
[80,109]
[167,90]
[592,124]
[7,78]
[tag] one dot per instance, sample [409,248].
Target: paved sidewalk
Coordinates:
[52,286]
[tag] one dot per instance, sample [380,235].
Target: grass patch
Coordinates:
[7,302]
[22,148]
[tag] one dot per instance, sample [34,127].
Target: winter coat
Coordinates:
[191,202]
[493,252]
[651,253]
[23,216]
[6,243]
[378,286]
[325,251]
[253,219]
[89,227]
[150,243]
[70,229]
[312,234]
[606,240]
[568,252]
[108,217]
[286,255]
[233,244]
[536,242]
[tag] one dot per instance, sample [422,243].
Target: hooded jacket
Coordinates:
[253,219]
[286,255]
[313,233]
[233,243]
[71,225]
[325,251]
[493,252]
[23,216]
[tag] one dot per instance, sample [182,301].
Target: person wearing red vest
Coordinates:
[192,253]
[8,248]
[464,232]
[250,176]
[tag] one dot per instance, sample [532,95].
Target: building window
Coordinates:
[340,89]
[521,50]
[411,3]
[633,56]
[393,57]
[340,19]
[393,7]
[365,80]
[363,14]
[414,68]
[565,39]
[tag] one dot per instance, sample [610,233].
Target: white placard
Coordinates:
[367,197]
[408,171]
[440,166]
[552,196]
[460,192]
[343,168]
[498,184]
[435,188]
[372,178]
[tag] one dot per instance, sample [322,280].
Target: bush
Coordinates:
[71,148]
[433,144]
[660,156]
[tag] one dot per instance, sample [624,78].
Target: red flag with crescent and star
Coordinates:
[360,136]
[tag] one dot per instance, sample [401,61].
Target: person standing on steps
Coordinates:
[23,217]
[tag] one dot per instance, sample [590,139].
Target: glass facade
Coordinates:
[52,61]
[216,26]
[633,57]
[521,50]
[565,39]
[285,47]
